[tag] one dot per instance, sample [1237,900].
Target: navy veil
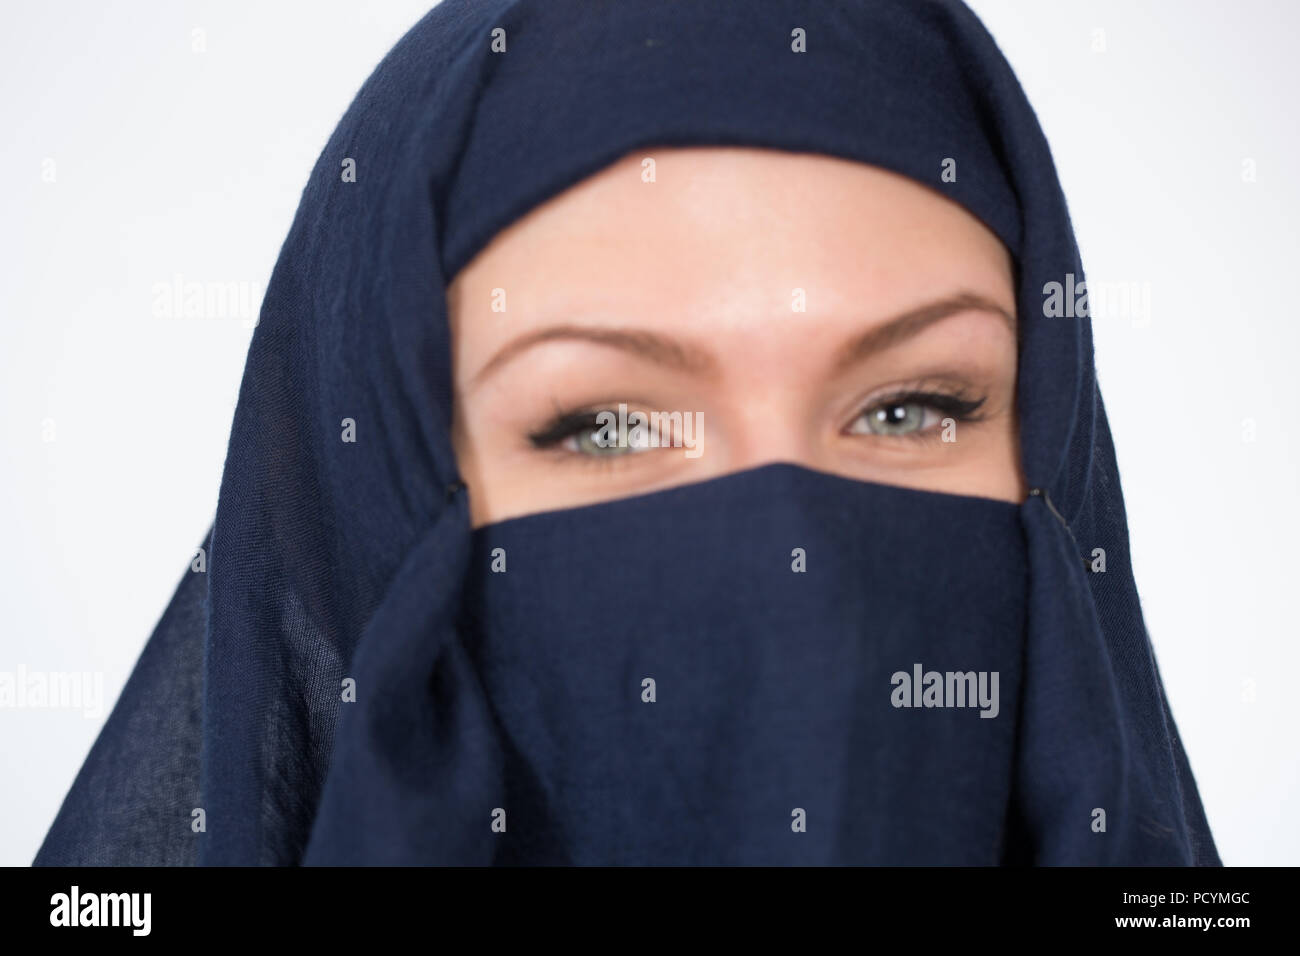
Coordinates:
[503,718]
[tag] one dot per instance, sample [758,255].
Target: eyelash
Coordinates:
[956,404]
[566,425]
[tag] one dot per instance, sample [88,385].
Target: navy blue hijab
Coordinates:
[564,711]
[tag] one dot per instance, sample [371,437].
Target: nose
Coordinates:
[772,427]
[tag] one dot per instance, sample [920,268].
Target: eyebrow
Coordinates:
[913,322]
[683,357]
[644,344]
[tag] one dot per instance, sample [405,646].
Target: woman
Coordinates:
[860,595]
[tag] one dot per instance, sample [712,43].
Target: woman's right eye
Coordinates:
[593,433]
[596,440]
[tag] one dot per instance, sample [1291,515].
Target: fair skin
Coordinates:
[680,295]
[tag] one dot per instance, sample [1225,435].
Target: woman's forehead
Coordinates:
[708,235]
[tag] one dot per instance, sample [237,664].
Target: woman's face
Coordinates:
[787,307]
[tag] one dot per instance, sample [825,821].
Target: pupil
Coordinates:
[894,417]
[892,414]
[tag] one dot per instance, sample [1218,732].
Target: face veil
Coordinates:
[506,717]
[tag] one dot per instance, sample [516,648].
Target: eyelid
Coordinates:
[563,425]
[949,400]
[922,389]
[956,403]
[939,384]
[566,423]
[566,418]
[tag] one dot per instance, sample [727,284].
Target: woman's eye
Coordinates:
[593,435]
[895,418]
[599,441]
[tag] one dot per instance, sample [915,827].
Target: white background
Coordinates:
[170,162]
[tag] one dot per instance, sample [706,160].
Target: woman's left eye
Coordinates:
[912,414]
[894,418]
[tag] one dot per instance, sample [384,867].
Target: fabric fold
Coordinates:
[417,755]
